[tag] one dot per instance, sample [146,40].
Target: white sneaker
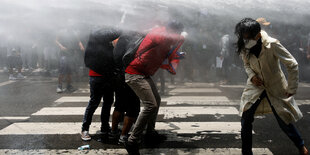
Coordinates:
[20,76]
[11,77]
[85,136]
[59,90]
[122,139]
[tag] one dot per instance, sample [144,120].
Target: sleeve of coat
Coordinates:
[247,67]
[291,65]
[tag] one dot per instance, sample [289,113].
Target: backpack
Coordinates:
[131,51]
[99,51]
[126,48]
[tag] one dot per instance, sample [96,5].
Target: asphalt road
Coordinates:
[197,117]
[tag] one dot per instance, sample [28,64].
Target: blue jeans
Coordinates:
[100,87]
[246,127]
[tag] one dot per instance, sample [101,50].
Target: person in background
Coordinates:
[160,44]
[267,90]
[14,60]
[226,57]
[308,47]
[68,43]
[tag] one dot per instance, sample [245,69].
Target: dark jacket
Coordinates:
[99,51]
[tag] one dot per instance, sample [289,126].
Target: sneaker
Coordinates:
[122,139]
[114,134]
[59,90]
[85,136]
[132,148]
[11,77]
[20,76]
[105,131]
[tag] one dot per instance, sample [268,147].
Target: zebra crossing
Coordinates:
[186,120]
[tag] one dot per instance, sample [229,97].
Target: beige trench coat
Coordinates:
[267,67]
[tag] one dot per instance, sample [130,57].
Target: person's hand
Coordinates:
[184,34]
[256,81]
[288,94]
[63,48]
[82,49]
[308,56]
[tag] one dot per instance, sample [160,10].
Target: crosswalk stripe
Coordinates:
[179,151]
[13,118]
[167,99]
[6,83]
[305,85]
[300,85]
[43,128]
[177,100]
[196,90]
[174,91]
[168,112]
[232,86]
[82,90]
[173,100]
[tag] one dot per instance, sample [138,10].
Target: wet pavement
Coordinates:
[198,118]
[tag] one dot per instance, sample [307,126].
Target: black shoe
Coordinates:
[132,148]
[154,138]
[105,131]
[114,134]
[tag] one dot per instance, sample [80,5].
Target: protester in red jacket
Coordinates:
[159,47]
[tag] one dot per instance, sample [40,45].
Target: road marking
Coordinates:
[198,85]
[182,99]
[14,118]
[306,85]
[6,83]
[177,100]
[174,91]
[73,99]
[232,86]
[42,128]
[195,90]
[194,100]
[81,90]
[168,112]
[183,151]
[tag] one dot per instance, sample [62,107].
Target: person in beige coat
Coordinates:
[267,89]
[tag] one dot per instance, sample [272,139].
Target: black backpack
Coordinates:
[99,51]
[126,48]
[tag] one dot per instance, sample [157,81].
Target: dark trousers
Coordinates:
[246,127]
[100,87]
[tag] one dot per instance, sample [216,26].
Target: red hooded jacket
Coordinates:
[157,46]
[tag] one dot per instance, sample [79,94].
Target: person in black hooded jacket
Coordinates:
[99,59]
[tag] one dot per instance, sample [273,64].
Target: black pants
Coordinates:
[246,127]
[126,100]
[100,87]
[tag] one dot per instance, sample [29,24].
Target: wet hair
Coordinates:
[246,26]
[176,26]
